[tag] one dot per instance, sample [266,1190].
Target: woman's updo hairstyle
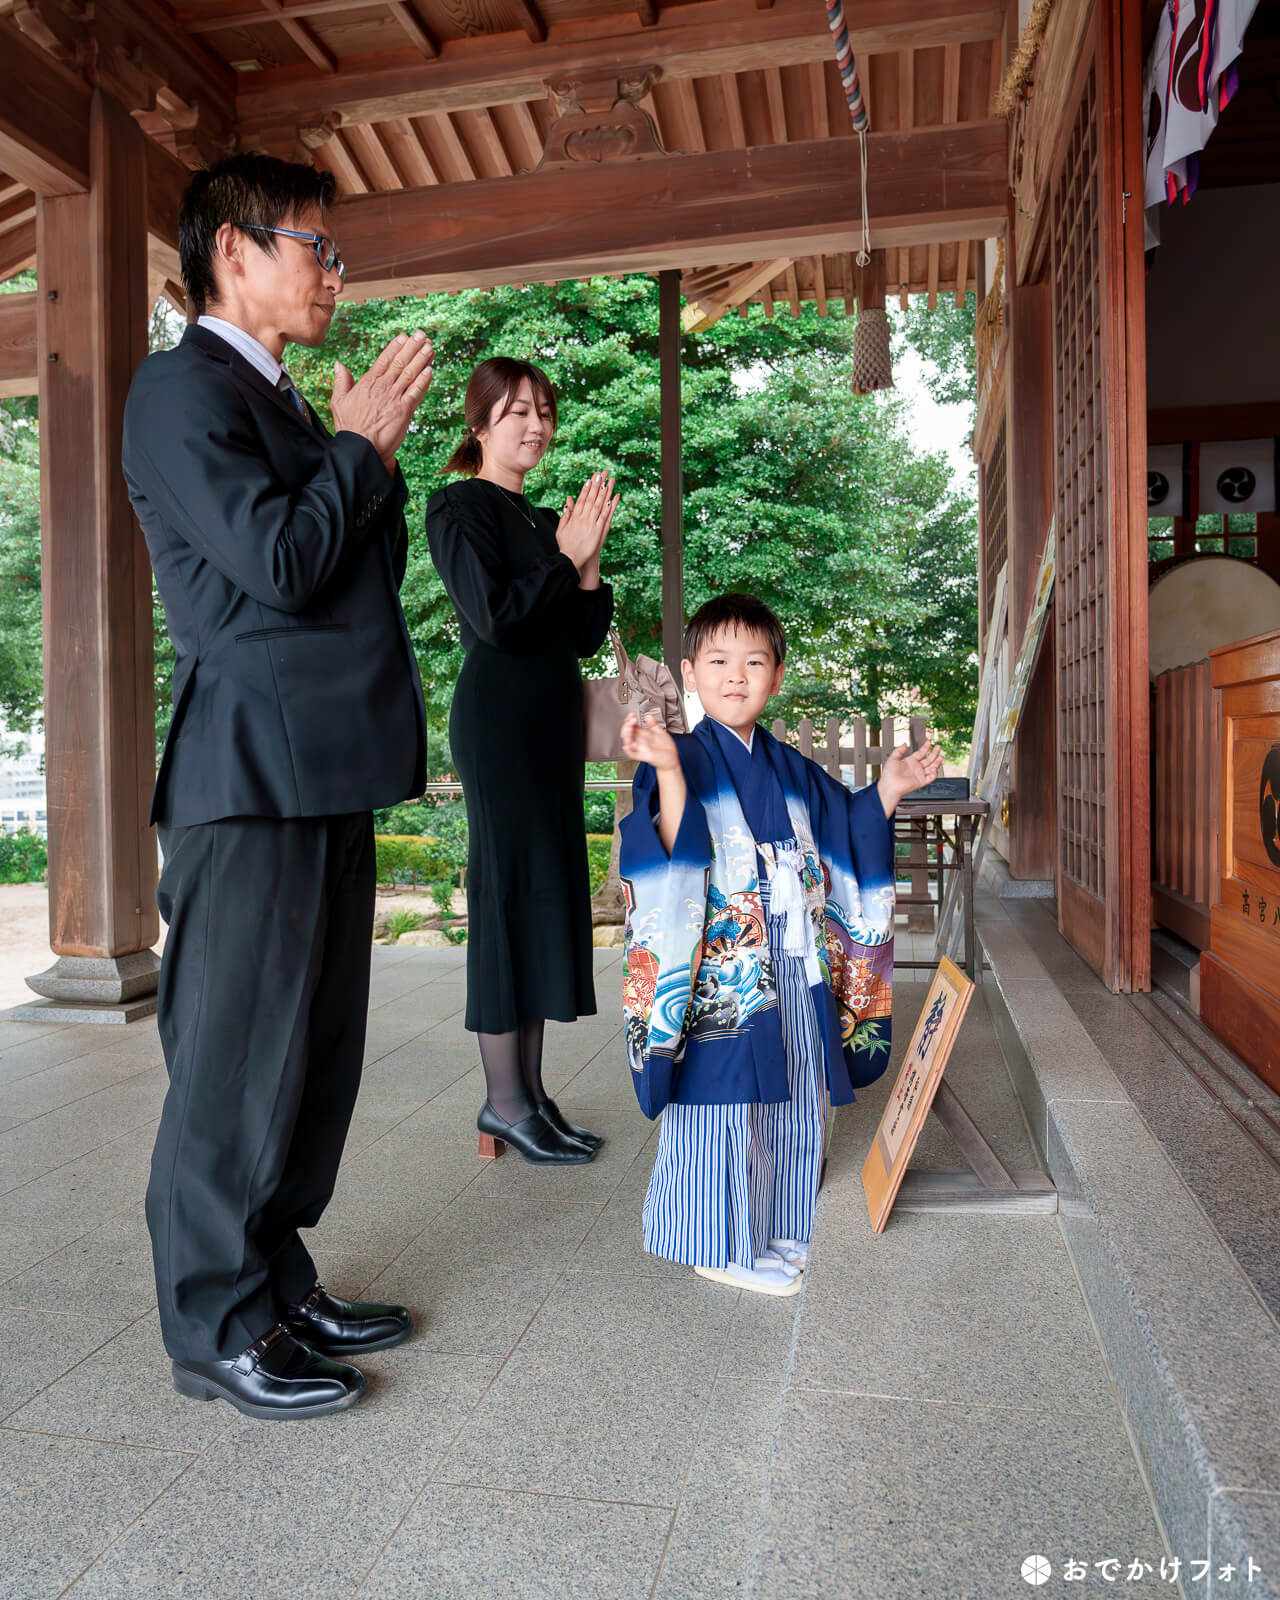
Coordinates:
[496,382]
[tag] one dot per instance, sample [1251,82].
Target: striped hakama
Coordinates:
[728,1178]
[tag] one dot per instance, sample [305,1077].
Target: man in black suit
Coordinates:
[278,550]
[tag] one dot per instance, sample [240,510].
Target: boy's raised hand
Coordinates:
[645,739]
[907,770]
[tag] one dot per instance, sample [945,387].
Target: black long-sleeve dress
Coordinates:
[516,731]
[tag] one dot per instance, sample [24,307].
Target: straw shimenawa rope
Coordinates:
[989,322]
[1022,64]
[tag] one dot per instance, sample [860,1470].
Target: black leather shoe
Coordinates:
[334,1327]
[276,1379]
[535,1139]
[550,1112]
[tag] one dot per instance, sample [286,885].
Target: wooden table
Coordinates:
[925,819]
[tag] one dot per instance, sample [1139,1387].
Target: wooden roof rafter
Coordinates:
[693,40]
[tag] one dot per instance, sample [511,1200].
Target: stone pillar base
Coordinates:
[93,989]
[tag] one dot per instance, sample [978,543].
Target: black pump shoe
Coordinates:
[343,1328]
[275,1379]
[550,1112]
[535,1139]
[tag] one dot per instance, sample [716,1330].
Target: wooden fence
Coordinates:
[866,760]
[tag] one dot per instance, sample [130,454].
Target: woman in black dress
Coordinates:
[526,586]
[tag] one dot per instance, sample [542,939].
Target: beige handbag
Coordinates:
[644,686]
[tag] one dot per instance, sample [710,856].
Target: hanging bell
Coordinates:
[872,364]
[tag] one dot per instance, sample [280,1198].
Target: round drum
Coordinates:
[1211,601]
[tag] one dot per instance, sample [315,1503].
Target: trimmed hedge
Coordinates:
[408,858]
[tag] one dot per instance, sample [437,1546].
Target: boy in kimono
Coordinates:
[759,956]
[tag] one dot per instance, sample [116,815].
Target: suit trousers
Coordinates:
[264,996]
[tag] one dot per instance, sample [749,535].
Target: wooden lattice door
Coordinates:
[1099,431]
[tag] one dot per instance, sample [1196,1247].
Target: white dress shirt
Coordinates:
[257,355]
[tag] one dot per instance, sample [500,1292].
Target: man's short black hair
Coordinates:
[737,613]
[255,190]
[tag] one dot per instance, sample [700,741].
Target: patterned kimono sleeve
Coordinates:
[855,841]
[666,906]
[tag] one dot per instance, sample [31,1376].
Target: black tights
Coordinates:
[513,1070]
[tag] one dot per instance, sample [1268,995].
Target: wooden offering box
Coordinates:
[1240,972]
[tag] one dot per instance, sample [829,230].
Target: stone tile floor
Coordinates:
[573,1418]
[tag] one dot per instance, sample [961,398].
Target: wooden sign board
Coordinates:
[913,1093]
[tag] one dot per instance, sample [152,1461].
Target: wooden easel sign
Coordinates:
[913,1093]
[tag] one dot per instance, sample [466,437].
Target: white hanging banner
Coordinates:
[1165,481]
[1238,476]
[1189,79]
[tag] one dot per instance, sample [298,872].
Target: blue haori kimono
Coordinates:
[757,980]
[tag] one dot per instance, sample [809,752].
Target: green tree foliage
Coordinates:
[21,684]
[944,337]
[818,501]
[795,489]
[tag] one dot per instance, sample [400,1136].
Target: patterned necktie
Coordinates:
[284,383]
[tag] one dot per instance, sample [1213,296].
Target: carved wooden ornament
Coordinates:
[599,119]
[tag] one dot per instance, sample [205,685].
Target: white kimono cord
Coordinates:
[786,899]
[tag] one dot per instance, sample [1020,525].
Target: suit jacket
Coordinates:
[278,551]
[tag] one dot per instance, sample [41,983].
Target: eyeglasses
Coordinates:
[327,253]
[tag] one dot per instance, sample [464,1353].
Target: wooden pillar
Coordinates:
[98,668]
[669,356]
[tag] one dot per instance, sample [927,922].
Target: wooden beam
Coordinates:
[793,291]
[932,285]
[907,89]
[302,35]
[904,277]
[962,272]
[44,118]
[697,40]
[491,143]
[444,130]
[820,284]
[13,213]
[818,99]
[733,111]
[848,269]
[534,140]
[370,154]
[17,250]
[44,137]
[18,370]
[406,147]
[530,20]
[342,162]
[777,106]
[647,11]
[408,19]
[675,211]
[737,289]
[951,83]
[695,140]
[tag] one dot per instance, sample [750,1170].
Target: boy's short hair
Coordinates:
[736,612]
[251,191]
